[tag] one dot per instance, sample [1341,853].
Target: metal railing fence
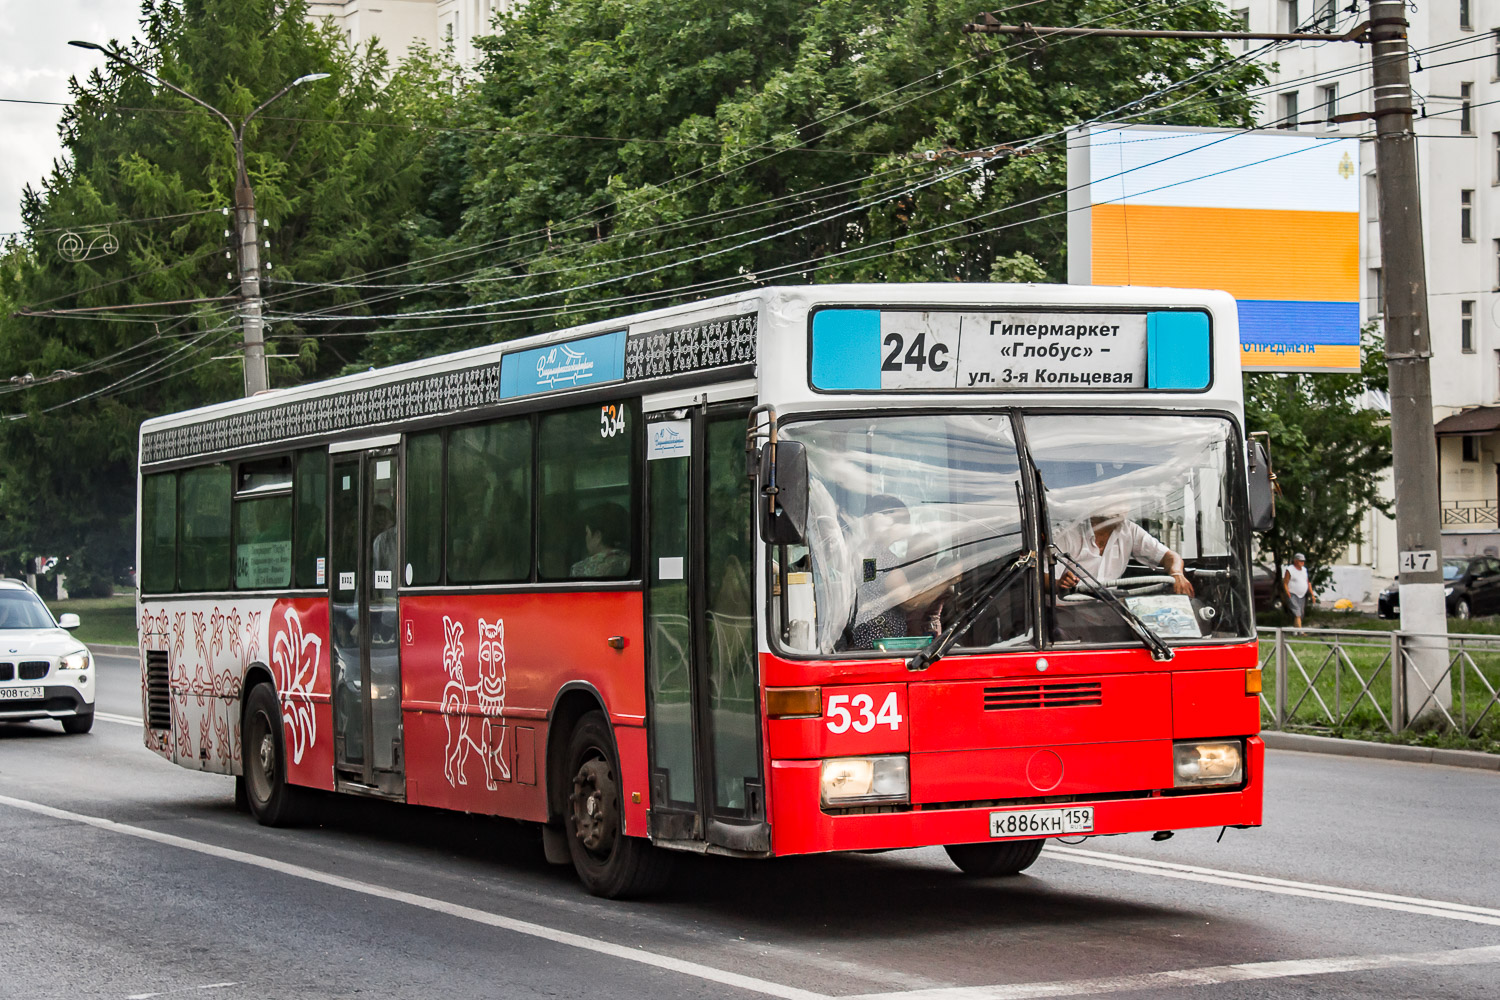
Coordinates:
[1353,679]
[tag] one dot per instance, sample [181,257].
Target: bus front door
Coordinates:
[702,669]
[363,616]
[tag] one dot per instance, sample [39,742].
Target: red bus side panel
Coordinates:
[480,674]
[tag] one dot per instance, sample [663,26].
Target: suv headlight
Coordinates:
[1198,764]
[74,661]
[1448,590]
[853,781]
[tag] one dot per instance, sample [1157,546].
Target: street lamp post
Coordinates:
[256,379]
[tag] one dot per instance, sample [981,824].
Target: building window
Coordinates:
[1289,110]
[1328,100]
[1377,290]
[1495,157]
[1466,108]
[1495,37]
[1286,11]
[1466,216]
[1466,326]
[1465,19]
[1471,448]
[1328,13]
[1241,18]
[1372,197]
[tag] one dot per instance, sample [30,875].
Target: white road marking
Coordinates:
[1284,887]
[124,720]
[185,989]
[511,924]
[1209,976]
[1016,991]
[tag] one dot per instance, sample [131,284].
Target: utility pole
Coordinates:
[1407,334]
[253,323]
[1408,346]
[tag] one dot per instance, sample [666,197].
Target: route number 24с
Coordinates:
[858,713]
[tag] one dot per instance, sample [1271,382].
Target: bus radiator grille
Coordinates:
[158,694]
[1059,694]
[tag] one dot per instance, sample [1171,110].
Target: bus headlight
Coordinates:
[849,781]
[1196,764]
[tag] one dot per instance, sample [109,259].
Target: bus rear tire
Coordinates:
[1004,857]
[609,863]
[270,799]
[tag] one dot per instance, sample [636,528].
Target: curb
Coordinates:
[1380,751]
[106,650]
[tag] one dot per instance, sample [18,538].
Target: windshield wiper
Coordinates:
[1160,651]
[988,591]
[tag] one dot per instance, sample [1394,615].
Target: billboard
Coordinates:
[1270,217]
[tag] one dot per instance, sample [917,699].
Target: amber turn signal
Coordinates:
[1253,681]
[782,703]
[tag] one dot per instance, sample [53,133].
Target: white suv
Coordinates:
[45,673]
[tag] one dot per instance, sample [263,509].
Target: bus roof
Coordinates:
[709,340]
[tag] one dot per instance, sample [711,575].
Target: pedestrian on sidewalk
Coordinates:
[1297,588]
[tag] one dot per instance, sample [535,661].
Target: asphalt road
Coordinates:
[125,876]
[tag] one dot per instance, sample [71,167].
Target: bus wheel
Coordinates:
[271,800]
[609,863]
[1004,857]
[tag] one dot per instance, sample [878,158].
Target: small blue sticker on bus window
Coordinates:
[571,364]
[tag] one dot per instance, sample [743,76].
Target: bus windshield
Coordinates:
[905,514]
[909,516]
[1136,500]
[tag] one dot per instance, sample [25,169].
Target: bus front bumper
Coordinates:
[800,826]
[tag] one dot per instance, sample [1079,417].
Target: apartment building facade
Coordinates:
[399,24]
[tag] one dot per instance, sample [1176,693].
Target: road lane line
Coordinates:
[1056,849]
[640,956]
[1210,976]
[1257,883]
[123,720]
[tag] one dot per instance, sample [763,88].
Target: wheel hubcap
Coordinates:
[595,820]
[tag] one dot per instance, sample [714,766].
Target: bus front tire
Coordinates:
[1003,857]
[270,799]
[609,863]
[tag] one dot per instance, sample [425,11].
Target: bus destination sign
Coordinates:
[891,349]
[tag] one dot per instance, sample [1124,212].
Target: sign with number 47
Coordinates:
[1418,561]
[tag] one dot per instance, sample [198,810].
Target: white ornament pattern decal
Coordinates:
[487,695]
[295,654]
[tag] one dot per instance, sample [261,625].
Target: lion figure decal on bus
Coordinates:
[486,696]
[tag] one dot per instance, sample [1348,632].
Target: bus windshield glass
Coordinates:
[907,515]
[1145,505]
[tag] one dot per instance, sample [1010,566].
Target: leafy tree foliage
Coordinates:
[336,168]
[623,152]
[1330,444]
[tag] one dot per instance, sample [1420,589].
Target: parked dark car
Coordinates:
[1471,586]
[1264,587]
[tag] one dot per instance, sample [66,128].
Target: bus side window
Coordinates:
[203,529]
[159,533]
[588,519]
[263,524]
[489,502]
[424,509]
[310,493]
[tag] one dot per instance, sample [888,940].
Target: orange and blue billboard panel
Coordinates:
[1270,217]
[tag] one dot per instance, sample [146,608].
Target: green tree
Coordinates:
[336,168]
[1330,444]
[656,149]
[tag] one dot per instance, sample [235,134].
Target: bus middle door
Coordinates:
[702,668]
[364,622]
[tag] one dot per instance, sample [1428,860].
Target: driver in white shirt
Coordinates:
[1104,544]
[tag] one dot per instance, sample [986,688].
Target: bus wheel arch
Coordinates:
[573,701]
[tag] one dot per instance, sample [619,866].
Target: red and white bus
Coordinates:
[825,568]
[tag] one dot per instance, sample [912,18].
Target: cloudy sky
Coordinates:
[35,64]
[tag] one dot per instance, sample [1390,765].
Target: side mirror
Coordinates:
[69,621]
[783,491]
[1262,486]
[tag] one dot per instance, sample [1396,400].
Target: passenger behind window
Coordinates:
[606,538]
